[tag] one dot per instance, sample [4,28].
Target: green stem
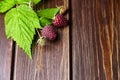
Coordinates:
[17,5]
[31,3]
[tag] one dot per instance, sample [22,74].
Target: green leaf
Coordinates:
[48,13]
[45,21]
[6,5]
[20,25]
[27,1]
[22,1]
[37,1]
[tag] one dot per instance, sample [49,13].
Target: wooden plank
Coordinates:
[96,39]
[116,57]
[50,62]
[5,52]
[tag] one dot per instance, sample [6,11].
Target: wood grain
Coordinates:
[50,62]
[5,52]
[95,39]
[116,49]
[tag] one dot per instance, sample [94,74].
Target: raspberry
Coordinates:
[49,33]
[60,21]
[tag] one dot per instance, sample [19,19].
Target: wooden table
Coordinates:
[88,49]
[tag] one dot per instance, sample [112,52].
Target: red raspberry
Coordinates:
[49,33]
[60,21]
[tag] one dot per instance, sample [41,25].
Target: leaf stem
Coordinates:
[31,3]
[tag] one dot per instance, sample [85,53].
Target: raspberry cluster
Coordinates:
[48,32]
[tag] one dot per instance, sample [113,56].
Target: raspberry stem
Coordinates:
[38,33]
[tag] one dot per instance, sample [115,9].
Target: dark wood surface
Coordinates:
[50,62]
[96,39]
[5,53]
[88,49]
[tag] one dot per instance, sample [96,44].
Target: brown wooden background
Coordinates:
[88,49]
